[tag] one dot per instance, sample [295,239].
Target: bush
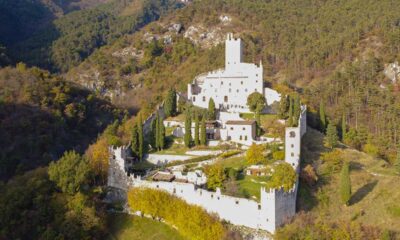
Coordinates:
[192,221]
[279,155]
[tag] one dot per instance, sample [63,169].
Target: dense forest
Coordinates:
[41,116]
[69,39]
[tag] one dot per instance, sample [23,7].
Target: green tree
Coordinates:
[296,109]
[283,107]
[170,103]
[322,117]
[153,133]
[256,102]
[203,131]
[211,109]
[157,131]
[140,137]
[188,129]
[291,112]
[196,129]
[345,184]
[135,140]
[70,172]
[215,176]
[254,155]
[161,134]
[331,138]
[283,176]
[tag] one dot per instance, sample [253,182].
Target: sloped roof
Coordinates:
[240,122]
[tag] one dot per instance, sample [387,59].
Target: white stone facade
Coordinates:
[230,87]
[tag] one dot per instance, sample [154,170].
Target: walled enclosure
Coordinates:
[276,207]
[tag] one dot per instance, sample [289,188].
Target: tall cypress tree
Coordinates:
[135,141]
[141,138]
[188,129]
[283,107]
[211,109]
[153,134]
[290,119]
[170,103]
[322,117]
[203,133]
[157,132]
[331,138]
[345,184]
[196,129]
[296,110]
[161,137]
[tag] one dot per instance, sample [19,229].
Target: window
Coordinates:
[237,202]
[292,146]
[259,207]
[241,82]
[204,98]
[237,90]
[225,98]
[292,154]
[230,90]
[181,191]
[229,84]
[256,74]
[240,138]
[174,190]
[243,129]
[255,90]
[245,138]
[245,90]
[157,186]
[222,83]
[218,198]
[194,99]
[231,128]
[212,196]
[256,81]
[292,134]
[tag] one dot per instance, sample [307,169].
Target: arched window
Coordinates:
[225,98]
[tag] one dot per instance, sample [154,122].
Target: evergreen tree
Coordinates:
[296,110]
[283,107]
[161,134]
[153,134]
[290,118]
[397,162]
[157,131]
[322,117]
[345,184]
[135,141]
[188,129]
[170,103]
[203,133]
[211,109]
[196,129]
[331,138]
[343,126]
[141,138]
[258,123]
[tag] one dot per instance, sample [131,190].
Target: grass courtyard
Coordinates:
[125,227]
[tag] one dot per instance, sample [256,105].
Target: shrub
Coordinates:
[192,221]
[278,155]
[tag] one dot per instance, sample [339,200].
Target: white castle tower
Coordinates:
[233,52]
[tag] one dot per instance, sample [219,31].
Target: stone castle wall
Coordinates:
[276,207]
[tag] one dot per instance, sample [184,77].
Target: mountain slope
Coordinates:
[41,116]
[329,50]
[69,39]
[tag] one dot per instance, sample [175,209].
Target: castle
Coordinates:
[229,88]
[276,207]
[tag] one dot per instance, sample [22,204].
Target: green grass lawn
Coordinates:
[250,186]
[125,227]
